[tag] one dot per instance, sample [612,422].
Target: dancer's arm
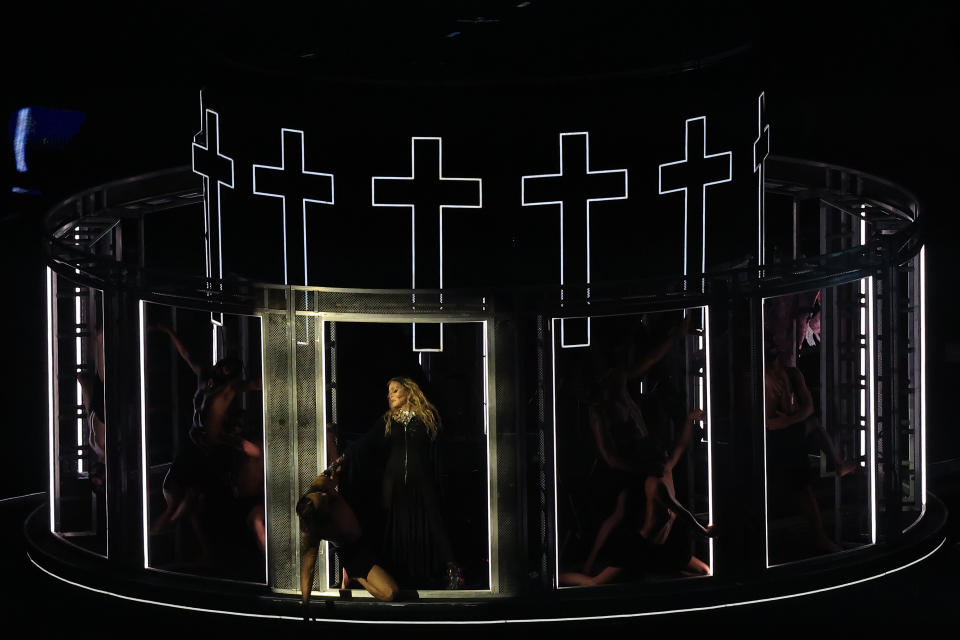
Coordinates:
[181,349]
[684,440]
[657,353]
[601,438]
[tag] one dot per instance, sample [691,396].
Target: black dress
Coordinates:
[414,544]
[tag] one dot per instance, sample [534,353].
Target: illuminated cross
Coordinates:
[295,186]
[215,168]
[426,192]
[761,149]
[692,175]
[574,188]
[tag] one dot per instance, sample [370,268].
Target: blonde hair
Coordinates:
[421,407]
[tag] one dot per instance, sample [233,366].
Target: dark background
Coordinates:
[861,86]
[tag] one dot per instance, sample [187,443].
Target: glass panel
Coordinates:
[79,439]
[421,498]
[819,438]
[631,415]
[204,442]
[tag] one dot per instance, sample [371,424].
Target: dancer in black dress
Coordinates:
[415,546]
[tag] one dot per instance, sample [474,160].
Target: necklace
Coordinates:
[403,416]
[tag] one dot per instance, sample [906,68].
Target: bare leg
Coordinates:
[256,522]
[175,497]
[810,508]
[665,493]
[825,442]
[380,584]
[572,578]
[608,525]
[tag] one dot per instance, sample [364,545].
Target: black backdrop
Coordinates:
[857,86]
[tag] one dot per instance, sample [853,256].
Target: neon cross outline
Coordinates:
[298,223]
[702,195]
[547,178]
[761,149]
[211,123]
[414,141]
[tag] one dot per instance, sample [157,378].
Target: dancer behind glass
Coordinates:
[652,543]
[789,420]
[415,544]
[325,515]
[217,460]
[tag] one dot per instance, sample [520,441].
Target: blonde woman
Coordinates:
[415,546]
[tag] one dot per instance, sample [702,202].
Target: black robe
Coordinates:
[414,543]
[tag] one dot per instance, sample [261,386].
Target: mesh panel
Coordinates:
[356,302]
[307,372]
[281,489]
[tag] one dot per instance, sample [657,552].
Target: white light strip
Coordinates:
[283,198]
[641,614]
[28,495]
[553,410]
[20,139]
[144,468]
[78,344]
[872,416]
[413,210]
[426,350]
[923,378]
[325,565]
[864,373]
[51,368]
[763,404]
[709,424]
[486,432]
[563,334]
[759,167]
[263,421]
[525,203]
[205,117]
[703,195]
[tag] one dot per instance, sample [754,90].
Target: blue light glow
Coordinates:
[20,139]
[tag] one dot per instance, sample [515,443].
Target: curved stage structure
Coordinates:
[567,281]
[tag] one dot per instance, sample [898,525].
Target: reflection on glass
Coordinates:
[80,425]
[632,459]
[410,429]
[816,404]
[205,443]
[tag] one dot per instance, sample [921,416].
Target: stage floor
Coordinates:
[923,594]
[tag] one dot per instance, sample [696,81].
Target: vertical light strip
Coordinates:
[52,493]
[709,421]
[78,344]
[872,415]
[486,432]
[763,405]
[868,404]
[321,339]
[556,509]
[263,421]
[923,378]
[864,373]
[20,139]
[144,469]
